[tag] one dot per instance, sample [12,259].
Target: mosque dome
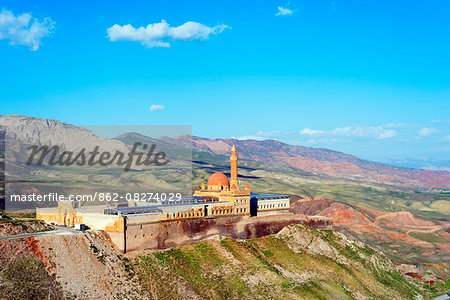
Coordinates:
[217,179]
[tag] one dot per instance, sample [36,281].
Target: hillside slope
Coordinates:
[297,263]
[313,160]
[322,161]
[404,236]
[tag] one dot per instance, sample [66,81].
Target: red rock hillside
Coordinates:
[322,161]
[402,234]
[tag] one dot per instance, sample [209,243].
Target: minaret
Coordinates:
[233,159]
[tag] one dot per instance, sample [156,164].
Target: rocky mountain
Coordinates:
[297,263]
[38,131]
[66,176]
[322,161]
[426,163]
[402,234]
[408,226]
[314,160]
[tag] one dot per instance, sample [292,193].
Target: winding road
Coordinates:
[57,231]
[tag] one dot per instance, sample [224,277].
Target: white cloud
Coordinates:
[361,131]
[401,125]
[386,134]
[426,131]
[249,137]
[156,107]
[308,131]
[346,134]
[24,29]
[157,34]
[282,11]
[321,141]
[261,135]
[379,132]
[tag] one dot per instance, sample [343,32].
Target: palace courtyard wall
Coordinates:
[166,234]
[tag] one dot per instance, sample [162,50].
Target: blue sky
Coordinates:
[368,78]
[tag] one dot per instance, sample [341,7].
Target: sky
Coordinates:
[369,78]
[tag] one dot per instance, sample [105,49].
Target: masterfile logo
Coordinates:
[115,163]
[97,158]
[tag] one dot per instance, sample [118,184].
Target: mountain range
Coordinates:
[369,201]
[322,161]
[317,161]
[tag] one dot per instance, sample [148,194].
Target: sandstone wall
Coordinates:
[161,235]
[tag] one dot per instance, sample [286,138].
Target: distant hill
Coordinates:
[313,160]
[297,263]
[49,132]
[431,164]
[322,161]
[363,198]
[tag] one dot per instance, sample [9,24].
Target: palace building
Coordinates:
[219,197]
[244,202]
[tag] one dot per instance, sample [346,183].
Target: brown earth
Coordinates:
[88,266]
[25,273]
[394,233]
[82,266]
[293,262]
[321,161]
[22,227]
[407,221]
[168,234]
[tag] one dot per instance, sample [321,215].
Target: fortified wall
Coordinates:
[167,234]
[221,207]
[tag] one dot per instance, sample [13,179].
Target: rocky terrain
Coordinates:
[275,178]
[21,223]
[83,266]
[39,131]
[322,161]
[24,272]
[370,202]
[298,262]
[14,227]
[405,237]
[313,160]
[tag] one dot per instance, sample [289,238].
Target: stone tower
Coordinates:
[233,159]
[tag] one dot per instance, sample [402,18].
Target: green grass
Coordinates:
[297,182]
[427,237]
[22,215]
[266,268]
[27,278]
